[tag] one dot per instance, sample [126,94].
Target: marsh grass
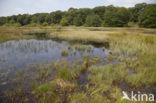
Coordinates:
[69,47]
[8,34]
[78,98]
[16,96]
[134,50]
[60,87]
[80,47]
[65,74]
[90,49]
[96,60]
[64,52]
[44,73]
[74,52]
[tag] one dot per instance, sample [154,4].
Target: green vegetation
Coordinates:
[78,21]
[117,17]
[147,17]
[64,52]
[80,47]
[142,14]
[93,20]
[64,22]
[58,81]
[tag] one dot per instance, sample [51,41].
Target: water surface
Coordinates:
[16,55]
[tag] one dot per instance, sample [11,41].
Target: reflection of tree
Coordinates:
[28,46]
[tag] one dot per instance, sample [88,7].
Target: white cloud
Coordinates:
[128,3]
[19,11]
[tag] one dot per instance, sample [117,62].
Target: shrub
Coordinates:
[45,24]
[64,22]
[14,24]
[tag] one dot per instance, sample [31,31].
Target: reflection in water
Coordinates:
[23,52]
[15,55]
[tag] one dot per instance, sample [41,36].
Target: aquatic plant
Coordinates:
[78,98]
[103,48]
[55,91]
[12,96]
[64,52]
[65,74]
[80,47]
[57,64]
[111,57]
[96,59]
[74,52]
[69,47]
[44,73]
[90,49]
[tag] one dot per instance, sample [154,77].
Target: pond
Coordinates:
[17,55]
[27,64]
[21,53]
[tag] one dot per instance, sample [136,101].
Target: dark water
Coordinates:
[18,55]
[23,54]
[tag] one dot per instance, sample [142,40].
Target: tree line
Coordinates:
[141,14]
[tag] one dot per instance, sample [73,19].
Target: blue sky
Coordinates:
[10,7]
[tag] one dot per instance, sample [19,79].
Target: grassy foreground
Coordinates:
[135,48]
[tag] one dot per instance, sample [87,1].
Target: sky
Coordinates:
[14,7]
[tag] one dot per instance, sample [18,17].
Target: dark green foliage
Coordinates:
[54,17]
[3,20]
[83,13]
[93,20]
[99,11]
[142,14]
[135,11]
[78,21]
[119,17]
[23,19]
[147,17]
[72,12]
[109,19]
